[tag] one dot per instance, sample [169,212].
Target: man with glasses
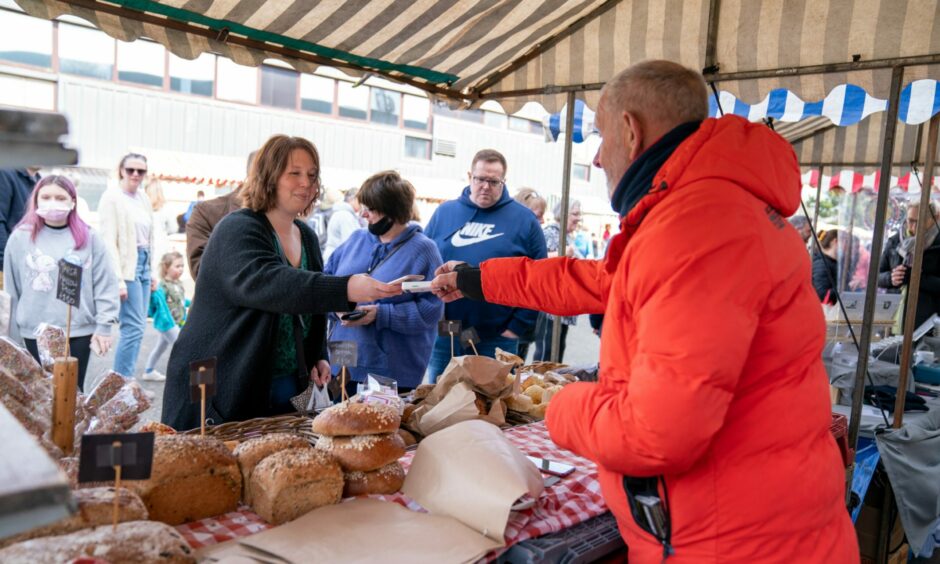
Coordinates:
[894,270]
[484,223]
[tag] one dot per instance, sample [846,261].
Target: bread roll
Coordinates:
[95,507]
[354,418]
[157,428]
[519,402]
[138,542]
[253,451]
[406,414]
[530,381]
[385,481]
[365,452]
[538,411]
[192,478]
[407,437]
[535,392]
[290,483]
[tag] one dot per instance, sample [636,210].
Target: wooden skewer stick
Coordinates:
[117,490]
[474,347]
[202,411]
[451,344]
[343,382]
[68,332]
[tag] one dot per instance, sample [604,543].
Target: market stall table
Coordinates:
[572,500]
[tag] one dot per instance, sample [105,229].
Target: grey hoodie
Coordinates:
[30,272]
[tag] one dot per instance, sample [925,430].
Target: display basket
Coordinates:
[299,425]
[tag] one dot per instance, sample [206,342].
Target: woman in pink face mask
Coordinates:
[49,232]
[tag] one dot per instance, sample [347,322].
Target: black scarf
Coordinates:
[638,180]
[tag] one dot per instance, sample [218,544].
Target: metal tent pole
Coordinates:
[887,151]
[818,197]
[913,289]
[563,220]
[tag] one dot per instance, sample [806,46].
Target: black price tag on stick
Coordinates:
[447,328]
[344,353]
[469,337]
[133,452]
[69,286]
[201,372]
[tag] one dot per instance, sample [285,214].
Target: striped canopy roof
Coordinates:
[521,50]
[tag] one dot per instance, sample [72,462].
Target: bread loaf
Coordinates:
[137,542]
[365,452]
[251,452]
[290,483]
[353,418]
[95,507]
[157,428]
[386,480]
[192,478]
[519,402]
[407,437]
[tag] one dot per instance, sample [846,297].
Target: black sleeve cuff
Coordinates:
[470,282]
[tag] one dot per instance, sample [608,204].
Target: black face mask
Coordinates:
[381,226]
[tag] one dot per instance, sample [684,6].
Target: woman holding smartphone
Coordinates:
[394,335]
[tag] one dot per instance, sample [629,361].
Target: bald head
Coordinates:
[660,93]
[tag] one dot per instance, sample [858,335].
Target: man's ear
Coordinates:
[633,134]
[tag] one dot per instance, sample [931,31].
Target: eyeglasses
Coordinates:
[491,182]
[131,171]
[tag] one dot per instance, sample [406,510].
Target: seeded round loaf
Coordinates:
[253,451]
[353,418]
[290,483]
[384,481]
[365,452]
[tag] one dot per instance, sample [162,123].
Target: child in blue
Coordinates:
[395,335]
[168,308]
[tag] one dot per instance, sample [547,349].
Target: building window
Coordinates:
[581,172]
[521,124]
[442,109]
[25,40]
[192,77]
[316,94]
[278,87]
[494,119]
[236,82]
[85,52]
[141,62]
[416,110]
[386,106]
[417,148]
[353,102]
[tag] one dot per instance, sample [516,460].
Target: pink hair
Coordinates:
[32,220]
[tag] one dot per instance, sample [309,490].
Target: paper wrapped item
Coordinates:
[452,399]
[471,472]
[481,373]
[458,405]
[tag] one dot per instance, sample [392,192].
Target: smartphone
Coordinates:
[552,467]
[407,278]
[353,315]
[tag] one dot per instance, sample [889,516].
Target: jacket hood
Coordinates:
[503,200]
[748,155]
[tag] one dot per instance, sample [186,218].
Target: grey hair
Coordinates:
[798,221]
[934,209]
[660,92]
[556,211]
[350,194]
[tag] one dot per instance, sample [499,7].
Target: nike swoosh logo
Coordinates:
[459,240]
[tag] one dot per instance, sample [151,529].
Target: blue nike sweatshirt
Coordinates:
[466,232]
[398,344]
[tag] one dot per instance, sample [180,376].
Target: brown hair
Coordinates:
[167,261]
[124,159]
[388,193]
[489,156]
[259,193]
[828,237]
[531,199]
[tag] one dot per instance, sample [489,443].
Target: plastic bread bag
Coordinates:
[108,385]
[51,343]
[121,412]
[380,389]
[313,398]
[18,361]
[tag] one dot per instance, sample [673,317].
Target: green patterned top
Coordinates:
[285,351]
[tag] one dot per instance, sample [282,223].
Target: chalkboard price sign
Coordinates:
[69,286]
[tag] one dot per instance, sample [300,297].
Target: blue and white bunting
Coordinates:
[553,125]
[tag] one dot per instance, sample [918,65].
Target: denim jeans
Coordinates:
[440,354]
[133,316]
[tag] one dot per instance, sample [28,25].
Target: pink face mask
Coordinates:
[52,211]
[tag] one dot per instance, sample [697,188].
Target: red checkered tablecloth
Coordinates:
[572,500]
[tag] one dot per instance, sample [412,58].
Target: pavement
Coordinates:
[582,348]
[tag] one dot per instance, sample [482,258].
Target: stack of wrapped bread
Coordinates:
[285,477]
[364,440]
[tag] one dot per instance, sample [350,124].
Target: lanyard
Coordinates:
[377,263]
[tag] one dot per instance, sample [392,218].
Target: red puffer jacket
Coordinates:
[710,362]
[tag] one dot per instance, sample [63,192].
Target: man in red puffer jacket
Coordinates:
[710,420]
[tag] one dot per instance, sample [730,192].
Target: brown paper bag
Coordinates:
[458,405]
[481,373]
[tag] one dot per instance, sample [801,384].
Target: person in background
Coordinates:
[802,225]
[268,294]
[16,184]
[826,266]
[396,334]
[163,222]
[51,230]
[544,331]
[894,269]
[126,219]
[183,219]
[343,222]
[531,199]
[168,305]
[484,223]
[206,215]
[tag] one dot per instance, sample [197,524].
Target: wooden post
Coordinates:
[202,409]
[64,392]
[68,331]
[818,198]
[563,220]
[117,490]
[451,344]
